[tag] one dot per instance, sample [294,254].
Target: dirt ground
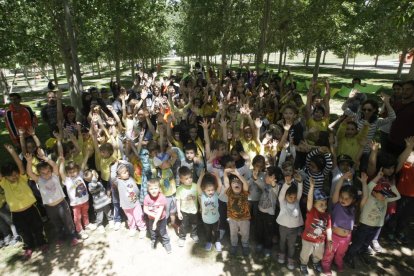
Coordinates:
[115,253]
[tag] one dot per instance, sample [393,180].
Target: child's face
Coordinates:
[259,166]
[318,115]
[235,155]
[221,150]
[289,114]
[105,154]
[388,171]
[270,179]
[153,153]
[288,171]
[186,180]
[350,130]
[248,134]
[153,190]
[345,199]
[313,168]
[193,133]
[177,135]
[344,167]
[236,186]
[123,174]
[45,173]
[14,177]
[72,173]
[189,155]
[31,147]
[209,190]
[291,198]
[320,205]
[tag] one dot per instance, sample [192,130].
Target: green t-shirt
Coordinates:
[187,195]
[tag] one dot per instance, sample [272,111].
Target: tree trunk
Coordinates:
[317,62]
[240,60]
[344,62]
[25,77]
[54,70]
[280,60]
[401,64]
[98,65]
[284,57]
[324,56]
[263,32]
[267,58]
[76,80]
[231,60]
[376,61]
[152,63]
[133,68]
[4,87]
[307,58]
[93,70]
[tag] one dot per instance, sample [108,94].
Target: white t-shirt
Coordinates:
[77,190]
[50,189]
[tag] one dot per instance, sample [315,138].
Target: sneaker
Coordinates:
[6,241]
[181,242]
[259,248]
[233,250]
[142,234]
[27,254]
[101,229]
[2,243]
[90,227]
[153,244]
[83,235]
[246,251]
[14,241]
[168,248]
[74,242]
[377,247]
[132,232]
[290,264]
[317,266]
[327,273]
[111,224]
[208,246]
[219,247]
[304,270]
[281,258]
[370,251]
[117,226]
[195,239]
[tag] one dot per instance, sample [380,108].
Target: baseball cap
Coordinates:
[385,189]
[345,158]
[319,194]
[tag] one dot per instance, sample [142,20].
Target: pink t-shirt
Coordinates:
[154,203]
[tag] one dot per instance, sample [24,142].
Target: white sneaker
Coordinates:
[83,235]
[132,232]
[101,229]
[117,226]
[111,224]
[91,227]
[142,234]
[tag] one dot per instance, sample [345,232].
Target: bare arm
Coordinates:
[409,144]
[309,204]
[363,179]
[29,170]
[15,157]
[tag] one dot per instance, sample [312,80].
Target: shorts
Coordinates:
[171,206]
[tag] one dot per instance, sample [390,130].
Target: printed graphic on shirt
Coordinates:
[80,190]
[210,207]
[317,228]
[132,196]
[265,201]
[374,214]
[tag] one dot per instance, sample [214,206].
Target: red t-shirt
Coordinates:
[316,225]
[154,203]
[406,182]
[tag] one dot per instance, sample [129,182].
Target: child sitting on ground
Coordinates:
[154,206]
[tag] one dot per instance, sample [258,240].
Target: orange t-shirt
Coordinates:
[406,182]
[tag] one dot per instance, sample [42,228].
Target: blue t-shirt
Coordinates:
[209,208]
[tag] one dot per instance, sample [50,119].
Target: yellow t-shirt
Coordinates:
[321,125]
[250,147]
[350,145]
[105,164]
[18,195]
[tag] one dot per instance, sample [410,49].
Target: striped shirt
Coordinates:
[318,177]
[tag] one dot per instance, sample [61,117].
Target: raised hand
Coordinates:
[297,177]
[409,142]
[28,157]
[287,126]
[21,131]
[204,124]
[363,178]
[223,123]
[258,123]
[324,150]
[347,176]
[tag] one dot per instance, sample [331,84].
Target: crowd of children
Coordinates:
[243,155]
